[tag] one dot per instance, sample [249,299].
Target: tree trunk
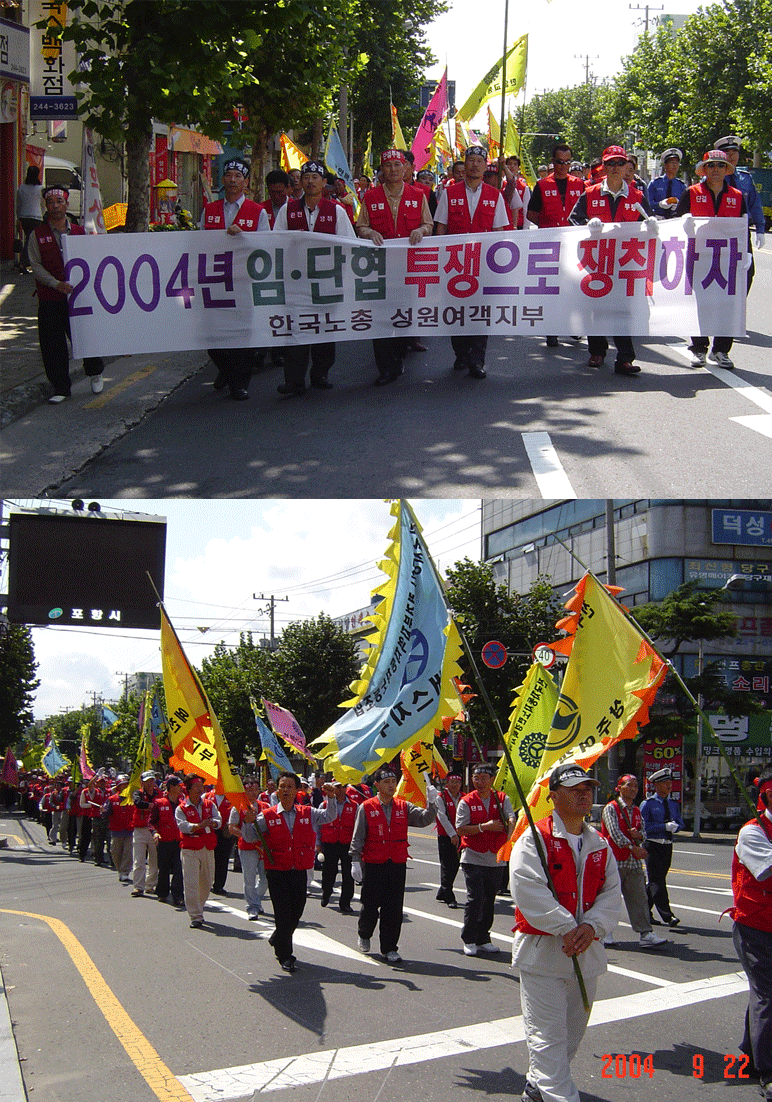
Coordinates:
[138,173]
[316,142]
[260,153]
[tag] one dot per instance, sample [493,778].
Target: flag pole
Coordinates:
[510,763]
[503,87]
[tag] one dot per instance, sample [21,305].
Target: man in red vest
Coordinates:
[120,821]
[235,214]
[712,198]
[166,835]
[393,209]
[471,207]
[484,821]
[379,859]
[550,931]
[622,827]
[752,934]
[311,214]
[251,853]
[198,820]
[144,873]
[448,842]
[335,839]
[290,830]
[47,262]
[612,200]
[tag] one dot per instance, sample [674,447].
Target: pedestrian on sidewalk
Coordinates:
[29,210]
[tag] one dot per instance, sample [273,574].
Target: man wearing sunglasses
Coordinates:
[611,200]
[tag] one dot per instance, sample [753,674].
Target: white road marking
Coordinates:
[548,471]
[248,1080]
[759,422]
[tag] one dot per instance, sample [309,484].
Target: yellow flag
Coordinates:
[490,86]
[529,723]
[418,762]
[462,140]
[367,160]
[291,155]
[494,136]
[198,744]
[397,139]
[610,683]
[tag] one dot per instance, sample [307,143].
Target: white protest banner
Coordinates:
[161,292]
[93,210]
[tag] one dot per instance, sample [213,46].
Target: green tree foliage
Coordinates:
[113,747]
[229,677]
[580,116]
[17,682]
[487,611]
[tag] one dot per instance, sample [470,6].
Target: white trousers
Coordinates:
[555,1020]
[145,868]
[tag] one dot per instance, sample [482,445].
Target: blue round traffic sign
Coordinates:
[494,654]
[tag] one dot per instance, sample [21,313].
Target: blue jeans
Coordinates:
[255,883]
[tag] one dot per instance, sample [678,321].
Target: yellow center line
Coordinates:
[704,875]
[164,1085]
[114,391]
[15,837]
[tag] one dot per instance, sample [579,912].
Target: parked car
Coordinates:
[67,174]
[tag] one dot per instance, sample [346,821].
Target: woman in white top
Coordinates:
[29,209]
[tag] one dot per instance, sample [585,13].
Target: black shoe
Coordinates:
[325,900]
[271,940]
[321,384]
[253,918]
[673,922]
[453,905]
[218,891]
[384,380]
[477,372]
[460,365]
[626,368]
[288,965]
[220,382]
[346,910]
[239,395]
[196,924]
[179,902]
[416,346]
[552,342]
[290,390]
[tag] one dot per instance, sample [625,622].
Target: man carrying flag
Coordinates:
[198,821]
[550,933]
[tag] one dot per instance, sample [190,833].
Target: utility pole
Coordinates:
[644,8]
[587,60]
[271,606]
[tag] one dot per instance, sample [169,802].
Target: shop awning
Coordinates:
[183,140]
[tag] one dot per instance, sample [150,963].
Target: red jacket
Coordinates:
[290,850]
[162,819]
[408,215]
[326,219]
[121,815]
[752,897]
[385,841]
[248,217]
[701,203]
[598,205]
[342,828]
[635,822]
[52,260]
[450,809]
[560,861]
[206,840]
[459,220]
[554,212]
[488,841]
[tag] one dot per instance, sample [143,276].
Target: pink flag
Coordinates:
[10,770]
[438,105]
[285,724]
[85,768]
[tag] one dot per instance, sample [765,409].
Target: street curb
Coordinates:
[11,1082]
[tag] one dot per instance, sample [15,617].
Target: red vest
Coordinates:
[385,841]
[248,217]
[206,840]
[326,219]
[290,850]
[267,206]
[91,812]
[52,260]
[142,814]
[560,861]
[458,211]
[701,203]
[166,825]
[752,897]
[450,809]
[521,184]
[554,212]
[342,829]
[487,841]
[634,814]
[241,844]
[224,807]
[408,215]
[122,815]
[598,205]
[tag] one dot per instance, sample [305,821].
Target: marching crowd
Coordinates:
[475,198]
[174,840]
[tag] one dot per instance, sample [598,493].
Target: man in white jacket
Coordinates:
[550,932]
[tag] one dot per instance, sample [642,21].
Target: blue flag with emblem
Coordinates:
[273,752]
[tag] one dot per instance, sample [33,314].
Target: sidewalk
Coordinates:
[42,444]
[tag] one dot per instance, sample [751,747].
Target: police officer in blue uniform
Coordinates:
[662,819]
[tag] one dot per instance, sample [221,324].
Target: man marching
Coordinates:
[448,842]
[311,214]
[198,820]
[391,210]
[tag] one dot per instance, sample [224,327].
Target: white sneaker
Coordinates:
[470,950]
[721,359]
[393,958]
[698,359]
[97,384]
[55,399]
[489,947]
[650,940]
[609,942]
[363,944]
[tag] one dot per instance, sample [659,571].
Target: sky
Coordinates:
[470,38]
[323,555]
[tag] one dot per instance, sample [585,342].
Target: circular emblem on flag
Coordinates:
[494,654]
[544,655]
[565,724]
[530,749]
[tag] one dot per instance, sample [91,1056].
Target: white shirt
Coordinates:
[343,227]
[500,216]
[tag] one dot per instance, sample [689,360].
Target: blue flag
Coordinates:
[272,748]
[109,718]
[335,160]
[52,760]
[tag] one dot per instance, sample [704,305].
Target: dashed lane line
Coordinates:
[547,469]
[307,1069]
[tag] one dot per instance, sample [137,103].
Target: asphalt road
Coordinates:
[124,1002]
[542,425]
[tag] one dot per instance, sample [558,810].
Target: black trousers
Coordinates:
[598,346]
[382,897]
[450,859]
[287,889]
[389,354]
[754,948]
[483,883]
[322,357]
[235,364]
[72,831]
[336,853]
[470,351]
[85,837]
[53,334]
[169,869]
[98,839]
[658,860]
[222,856]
